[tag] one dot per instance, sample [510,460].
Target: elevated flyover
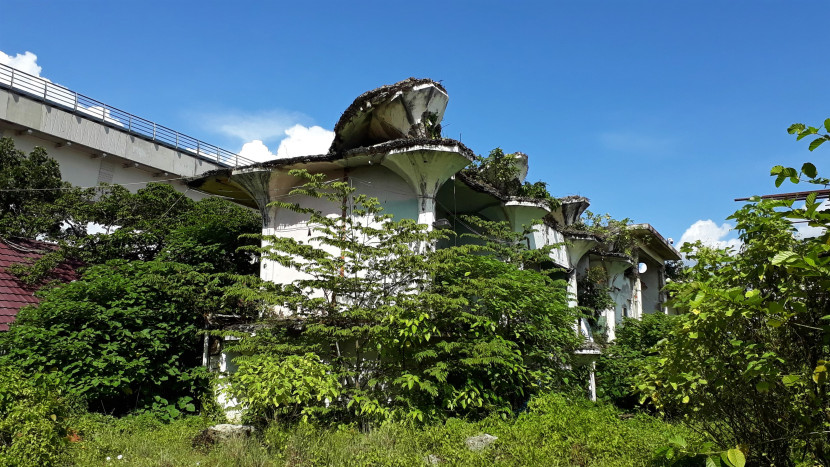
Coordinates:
[97,143]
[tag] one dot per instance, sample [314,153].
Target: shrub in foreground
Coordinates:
[123,336]
[33,428]
[622,360]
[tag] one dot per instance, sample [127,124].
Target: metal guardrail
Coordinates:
[46,91]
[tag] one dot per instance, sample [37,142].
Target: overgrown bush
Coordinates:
[33,419]
[271,385]
[124,337]
[621,360]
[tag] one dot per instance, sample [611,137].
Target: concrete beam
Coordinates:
[50,123]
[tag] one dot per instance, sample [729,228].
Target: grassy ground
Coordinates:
[556,431]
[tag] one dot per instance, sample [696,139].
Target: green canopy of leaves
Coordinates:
[405,329]
[747,362]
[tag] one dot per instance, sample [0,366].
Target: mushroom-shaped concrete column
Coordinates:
[524,213]
[256,183]
[578,245]
[425,166]
[614,266]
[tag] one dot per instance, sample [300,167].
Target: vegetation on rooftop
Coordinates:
[613,235]
[500,171]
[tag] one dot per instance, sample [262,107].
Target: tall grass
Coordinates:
[555,431]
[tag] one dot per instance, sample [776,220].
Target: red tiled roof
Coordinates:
[14,294]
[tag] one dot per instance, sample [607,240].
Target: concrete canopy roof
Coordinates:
[220,182]
[390,112]
[652,239]
[387,126]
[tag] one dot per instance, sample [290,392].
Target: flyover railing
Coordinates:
[46,91]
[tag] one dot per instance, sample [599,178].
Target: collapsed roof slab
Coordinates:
[402,110]
[651,239]
[569,210]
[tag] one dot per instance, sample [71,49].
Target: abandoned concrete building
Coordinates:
[386,143]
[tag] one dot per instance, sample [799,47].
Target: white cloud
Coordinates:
[298,141]
[806,231]
[43,87]
[263,126]
[710,234]
[256,151]
[27,62]
[803,230]
[302,141]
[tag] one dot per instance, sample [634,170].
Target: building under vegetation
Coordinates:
[388,145]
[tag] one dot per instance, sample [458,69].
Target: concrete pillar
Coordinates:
[614,267]
[578,246]
[425,168]
[637,299]
[426,211]
[592,381]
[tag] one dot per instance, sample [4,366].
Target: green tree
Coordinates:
[125,336]
[747,362]
[406,330]
[30,189]
[622,359]
[158,222]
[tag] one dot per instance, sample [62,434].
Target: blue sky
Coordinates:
[662,112]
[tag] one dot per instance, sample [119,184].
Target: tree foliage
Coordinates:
[747,362]
[126,335]
[406,330]
[30,188]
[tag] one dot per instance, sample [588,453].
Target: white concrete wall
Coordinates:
[651,287]
[543,236]
[374,181]
[621,293]
[79,168]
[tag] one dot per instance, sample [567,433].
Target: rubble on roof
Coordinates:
[412,108]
